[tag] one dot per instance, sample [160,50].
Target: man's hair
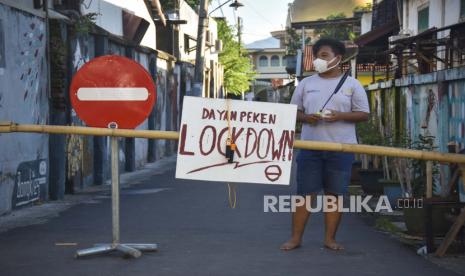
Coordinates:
[337,46]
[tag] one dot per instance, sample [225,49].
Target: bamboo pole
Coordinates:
[300,144]
[150,134]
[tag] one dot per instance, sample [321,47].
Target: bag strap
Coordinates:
[338,86]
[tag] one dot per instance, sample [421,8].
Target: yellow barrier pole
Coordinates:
[93,131]
[9,127]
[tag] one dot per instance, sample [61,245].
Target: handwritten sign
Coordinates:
[262,132]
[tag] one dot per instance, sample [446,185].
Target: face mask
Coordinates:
[321,65]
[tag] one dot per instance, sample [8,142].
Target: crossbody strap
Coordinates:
[339,85]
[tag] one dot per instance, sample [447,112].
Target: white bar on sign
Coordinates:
[113,94]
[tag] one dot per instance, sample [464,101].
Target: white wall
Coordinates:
[441,13]
[111,18]
[187,13]
[366,22]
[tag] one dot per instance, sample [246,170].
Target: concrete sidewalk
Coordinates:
[198,234]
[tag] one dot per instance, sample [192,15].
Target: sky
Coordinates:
[259,17]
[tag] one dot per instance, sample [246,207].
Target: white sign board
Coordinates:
[263,133]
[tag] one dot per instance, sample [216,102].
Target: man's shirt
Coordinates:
[312,93]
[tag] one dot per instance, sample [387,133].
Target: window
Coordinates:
[263,61]
[275,61]
[423,19]
[284,62]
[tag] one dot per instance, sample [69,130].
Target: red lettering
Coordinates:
[272,119]
[222,144]
[182,148]
[259,146]
[222,115]
[250,131]
[255,117]
[286,142]
[243,114]
[213,140]
[234,138]
[233,115]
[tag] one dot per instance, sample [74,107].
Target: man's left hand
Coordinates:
[354,116]
[333,117]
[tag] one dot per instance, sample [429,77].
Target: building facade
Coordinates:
[269,61]
[34,90]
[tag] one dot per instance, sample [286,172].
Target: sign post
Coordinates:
[113,92]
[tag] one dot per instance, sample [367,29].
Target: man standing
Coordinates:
[330,121]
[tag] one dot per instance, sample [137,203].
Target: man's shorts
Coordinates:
[323,170]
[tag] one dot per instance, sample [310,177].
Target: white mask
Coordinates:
[321,65]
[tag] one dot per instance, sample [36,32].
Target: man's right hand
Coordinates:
[312,118]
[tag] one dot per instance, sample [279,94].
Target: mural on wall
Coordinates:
[74,151]
[23,99]
[160,108]
[79,149]
[32,43]
[430,107]
[30,184]
[456,100]
[141,145]
[173,98]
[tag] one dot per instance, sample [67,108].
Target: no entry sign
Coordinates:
[262,132]
[112,91]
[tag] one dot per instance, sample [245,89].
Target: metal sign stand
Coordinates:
[129,249]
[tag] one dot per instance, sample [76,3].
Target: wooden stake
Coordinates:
[454,230]
[429,179]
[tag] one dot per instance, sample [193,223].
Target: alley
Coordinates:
[198,234]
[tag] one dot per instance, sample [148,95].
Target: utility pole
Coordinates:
[200,49]
[239,31]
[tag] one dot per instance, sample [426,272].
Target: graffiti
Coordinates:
[173,90]
[74,146]
[32,51]
[431,106]
[30,183]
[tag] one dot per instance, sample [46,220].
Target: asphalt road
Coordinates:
[198,234]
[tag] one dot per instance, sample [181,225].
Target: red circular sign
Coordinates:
[112,91]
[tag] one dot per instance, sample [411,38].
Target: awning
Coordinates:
[377,33]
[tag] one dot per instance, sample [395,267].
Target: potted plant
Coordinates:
[393,185]
[414,177]
[368,134]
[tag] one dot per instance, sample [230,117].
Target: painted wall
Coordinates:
[23,99]
[431,104]
[167,108]
[141,145]
[456,114]
[80,149]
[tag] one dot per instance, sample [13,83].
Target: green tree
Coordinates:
[294,41]
[336,31]
[238,68]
